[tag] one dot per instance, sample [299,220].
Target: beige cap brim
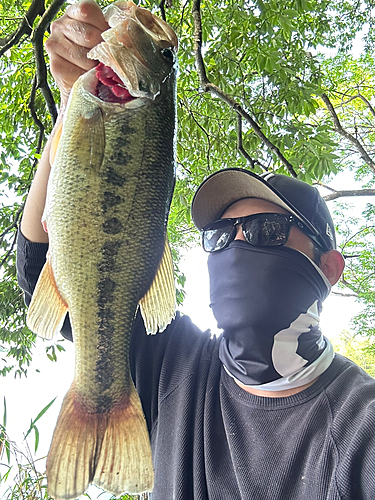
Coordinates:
[225,187]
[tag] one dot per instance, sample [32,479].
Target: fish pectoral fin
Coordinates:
[48,309]
[158,306]
[111,450]
[81,132]
[89,138]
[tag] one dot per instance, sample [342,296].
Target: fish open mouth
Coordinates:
[110,87]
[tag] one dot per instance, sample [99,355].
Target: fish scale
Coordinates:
[106,212]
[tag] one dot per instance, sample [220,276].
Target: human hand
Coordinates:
[72,36]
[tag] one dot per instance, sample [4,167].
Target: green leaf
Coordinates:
[36,438]
[33,422]
[42,412]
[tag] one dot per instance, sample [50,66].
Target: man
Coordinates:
[266,411]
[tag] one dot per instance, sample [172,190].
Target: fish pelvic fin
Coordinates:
[158,306]
[47,309]
[110,449]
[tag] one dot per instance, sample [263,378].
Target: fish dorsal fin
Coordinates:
[158,306]
[47,309]
[55,142]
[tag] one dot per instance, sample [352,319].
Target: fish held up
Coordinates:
[107,207]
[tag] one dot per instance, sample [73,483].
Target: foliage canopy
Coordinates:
[263,85]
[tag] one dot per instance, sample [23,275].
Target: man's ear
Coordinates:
[332,264]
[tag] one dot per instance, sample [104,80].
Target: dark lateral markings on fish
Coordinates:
[112,226]
[110,200]
[106,288]
[104,375]
[110,250]
[120,157]
[125,131]
[114,178]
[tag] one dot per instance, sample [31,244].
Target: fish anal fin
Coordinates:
[110,449]
[48,309]
[158,306]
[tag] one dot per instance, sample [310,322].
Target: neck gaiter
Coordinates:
[267,302]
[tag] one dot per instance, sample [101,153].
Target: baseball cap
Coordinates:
[224,187]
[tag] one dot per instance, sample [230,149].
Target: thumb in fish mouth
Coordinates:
[85,9]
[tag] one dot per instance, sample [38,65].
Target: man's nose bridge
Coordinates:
[239,232]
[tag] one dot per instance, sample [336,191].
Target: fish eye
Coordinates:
[168,54]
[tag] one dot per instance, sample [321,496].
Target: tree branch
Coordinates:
[25,28]
[341,294]
[347,193]
[348,285]
[203,130]
[13,225]
[353,236]
[40,63]
[241,149]
[320,183]
[8,230]
[207,86]
[162,5]
[338,127]
[6,257]
[162,10]
[37,122]
[363,98]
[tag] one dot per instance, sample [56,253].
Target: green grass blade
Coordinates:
[41,413]
[5,414]
[36,438]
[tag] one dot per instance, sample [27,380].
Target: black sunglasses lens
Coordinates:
[261,230]
[217,235]
[265,232]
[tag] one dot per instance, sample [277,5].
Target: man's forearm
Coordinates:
[31,224]
[72,36]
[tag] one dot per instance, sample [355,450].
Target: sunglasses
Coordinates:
[260,230]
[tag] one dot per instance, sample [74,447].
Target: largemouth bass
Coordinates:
[106,213]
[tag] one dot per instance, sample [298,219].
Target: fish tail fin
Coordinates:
[125,462]
[72,454]
[110,449]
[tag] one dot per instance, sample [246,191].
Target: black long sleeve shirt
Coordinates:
[212,440]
